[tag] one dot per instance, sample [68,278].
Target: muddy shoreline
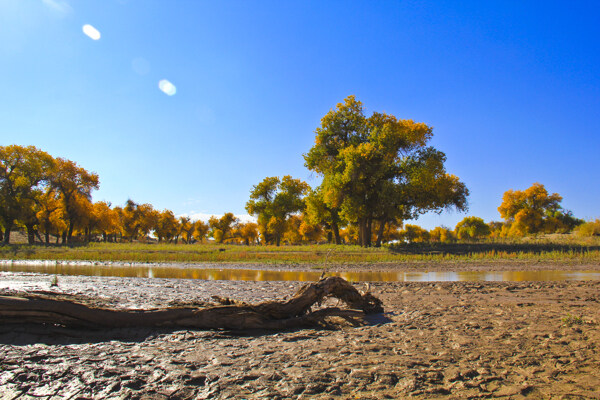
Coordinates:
[443,340]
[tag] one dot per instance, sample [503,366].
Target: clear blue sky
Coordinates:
[511,88]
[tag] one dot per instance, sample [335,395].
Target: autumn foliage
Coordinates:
[534,211]
[378,172]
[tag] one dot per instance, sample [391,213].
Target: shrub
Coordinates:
[591,228]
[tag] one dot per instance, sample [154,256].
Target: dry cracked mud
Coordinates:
[451,340]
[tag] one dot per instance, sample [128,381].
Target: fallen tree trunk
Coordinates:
[293,313]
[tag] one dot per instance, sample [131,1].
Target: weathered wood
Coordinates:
[293,313]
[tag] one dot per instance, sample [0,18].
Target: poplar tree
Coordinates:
[380,169]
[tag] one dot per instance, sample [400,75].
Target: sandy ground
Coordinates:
[443,340]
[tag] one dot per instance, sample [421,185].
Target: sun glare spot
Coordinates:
[167,87]
[91,32]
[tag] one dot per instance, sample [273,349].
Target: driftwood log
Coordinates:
[273,315]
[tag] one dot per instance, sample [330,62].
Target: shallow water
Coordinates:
[179,272]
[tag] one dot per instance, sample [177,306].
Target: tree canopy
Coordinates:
[75,185]
[534,210]
[472,228]
[222,228]
[273,200]
[380,169]
[24,171]
[377,173]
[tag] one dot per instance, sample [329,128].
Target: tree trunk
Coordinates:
[46,233]
[380,231]
[361,232]
[70,233]
[7,230]
[364,232]
[37,235]
[293,313]
[336,231]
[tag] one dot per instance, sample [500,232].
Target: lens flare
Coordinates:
[167,87]
[91,32]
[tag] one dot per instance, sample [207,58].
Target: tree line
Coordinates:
[51,197]
[377,172]
[525,212]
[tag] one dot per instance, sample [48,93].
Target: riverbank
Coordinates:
[570,251]
[443,340]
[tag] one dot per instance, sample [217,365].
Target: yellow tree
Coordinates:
[292,233]
[121,220]
[588,229]
[187,229]
[148,219]
[107,220]
[472,228]
[24,171]
[561,221]
[526,211]
[272,201]
[137,219]
[222,228]
[129,220]
[349,234]
[311,233]
[414,234]
[85,221]
[50,215]
[247,232]
[388,232]
[28,216]
[380,169]
[318,212]
[71,181]
[441,234]
[167,226]
[103,220]
[200,230]
[496,229]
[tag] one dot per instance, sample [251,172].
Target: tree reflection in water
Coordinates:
[190,272]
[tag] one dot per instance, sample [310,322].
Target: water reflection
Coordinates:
[165,271]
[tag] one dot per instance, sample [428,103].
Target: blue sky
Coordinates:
[511,88]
